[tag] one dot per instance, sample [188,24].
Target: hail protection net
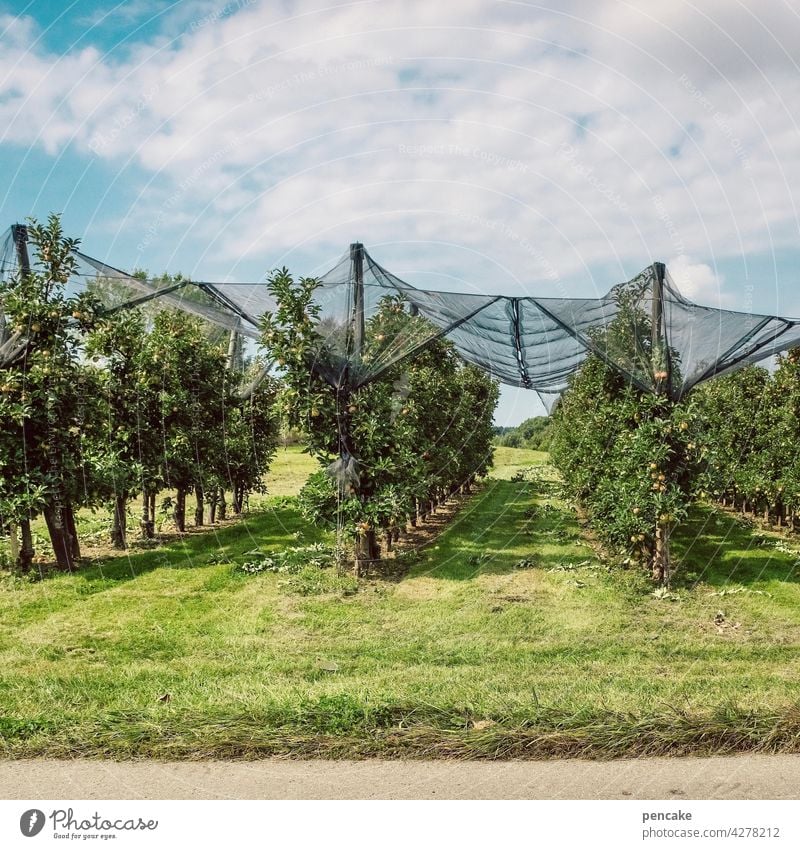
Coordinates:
[369,320]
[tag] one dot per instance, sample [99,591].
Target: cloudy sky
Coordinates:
[506,147]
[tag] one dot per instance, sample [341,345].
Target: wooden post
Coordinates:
[72,530]
[26,551]
[213,499]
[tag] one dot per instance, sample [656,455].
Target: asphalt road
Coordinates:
[739,777]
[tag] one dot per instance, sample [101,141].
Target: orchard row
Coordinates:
[636,461]
[98,408]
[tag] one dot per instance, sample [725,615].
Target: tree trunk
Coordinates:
[213,498]
[200,507]
[367,551]
[59,537]
[72,530]
[223,505]
[179,512]
[148,523]
[389,539]
[26,552]
[14,548]
[13,543]
[119,528]
[662,565]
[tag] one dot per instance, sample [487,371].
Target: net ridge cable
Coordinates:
[644,327]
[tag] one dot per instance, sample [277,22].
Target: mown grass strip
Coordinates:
[508,638]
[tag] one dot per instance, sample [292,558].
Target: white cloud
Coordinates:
[597,132]
[697,281]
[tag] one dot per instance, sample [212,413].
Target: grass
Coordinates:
[290,470]
[506,638]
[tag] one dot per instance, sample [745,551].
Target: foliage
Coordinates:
[750,432]
[291,560]
[98,406]
[45,393]
[628,456]
[392,447]
[534,433]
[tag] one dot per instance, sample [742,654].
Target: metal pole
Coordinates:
[357,273]
[19,233]
[659,336]
[233,352]
[662,564]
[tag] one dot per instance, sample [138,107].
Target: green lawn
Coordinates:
[508,637]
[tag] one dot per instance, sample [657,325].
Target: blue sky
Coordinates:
[480,146]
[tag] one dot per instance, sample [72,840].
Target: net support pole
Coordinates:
[357,277]
[26,552]
[366,544]
[19,233]
[658,331]
[662,560]
[232,359]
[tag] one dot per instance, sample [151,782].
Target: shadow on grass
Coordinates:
[501,530]
[273,526]
[714,547]
[504,528]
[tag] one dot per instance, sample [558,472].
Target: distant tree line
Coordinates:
[534,433]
